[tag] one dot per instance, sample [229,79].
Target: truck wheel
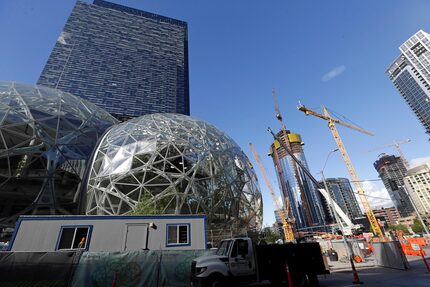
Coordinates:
[215,280]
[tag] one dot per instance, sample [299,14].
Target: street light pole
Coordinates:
[416,210]
[349,251]
[336,217]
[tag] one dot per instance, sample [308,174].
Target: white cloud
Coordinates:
[419,161]
[377,196]
[333,73]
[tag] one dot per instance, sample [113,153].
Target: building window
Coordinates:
[178,234]
[74,237]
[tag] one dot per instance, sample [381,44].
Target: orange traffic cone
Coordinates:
[290,281]
[115,277]
[354,272]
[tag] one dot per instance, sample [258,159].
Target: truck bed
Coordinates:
[303,259]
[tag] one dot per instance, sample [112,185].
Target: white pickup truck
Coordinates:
[239,260]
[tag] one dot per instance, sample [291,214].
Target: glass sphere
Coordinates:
[46,138]
[173,164]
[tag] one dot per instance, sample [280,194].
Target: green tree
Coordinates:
[401,227]
[146,206]
[270,236]
[417,227]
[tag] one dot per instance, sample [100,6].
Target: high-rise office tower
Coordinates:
[304,202]
[410,73]
[391,170]
[127,61]
[342,193]
[417,182]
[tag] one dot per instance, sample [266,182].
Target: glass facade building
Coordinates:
[174,164]
[342,193]
[417,182]
[392,171]
[46,139]
[410,73]
[126,61]
[300,195]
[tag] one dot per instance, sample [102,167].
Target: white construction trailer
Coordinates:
[109,233]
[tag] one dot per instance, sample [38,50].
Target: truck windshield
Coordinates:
[223,248]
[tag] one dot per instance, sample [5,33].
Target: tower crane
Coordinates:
[396,144]
[354,176]
[286,226]
[293,163]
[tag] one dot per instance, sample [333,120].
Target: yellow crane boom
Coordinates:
[354,176]
[288,231]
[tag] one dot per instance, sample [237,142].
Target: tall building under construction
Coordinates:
[299,194]
[392,171]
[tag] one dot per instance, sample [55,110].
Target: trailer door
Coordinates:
[135,237]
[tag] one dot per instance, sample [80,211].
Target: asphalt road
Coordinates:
[416,276]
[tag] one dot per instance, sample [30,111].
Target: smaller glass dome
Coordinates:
[173,164]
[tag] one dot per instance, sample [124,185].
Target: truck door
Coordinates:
[241,259]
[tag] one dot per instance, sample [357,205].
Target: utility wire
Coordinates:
[384,198]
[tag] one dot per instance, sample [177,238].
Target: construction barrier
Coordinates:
[420,241]
[413,249]
[136,268]
[359,247]
[389,254]
[47,269]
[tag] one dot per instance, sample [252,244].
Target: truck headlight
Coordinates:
[200,270]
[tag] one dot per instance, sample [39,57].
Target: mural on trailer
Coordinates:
[173,164]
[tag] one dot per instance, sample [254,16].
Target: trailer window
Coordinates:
[178,234]
[73,238]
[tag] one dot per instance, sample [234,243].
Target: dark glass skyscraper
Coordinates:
[127,61]
[342,193]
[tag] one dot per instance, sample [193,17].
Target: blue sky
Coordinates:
[317,52]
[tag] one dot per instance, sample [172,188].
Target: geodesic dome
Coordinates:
[173,164]
[46,138]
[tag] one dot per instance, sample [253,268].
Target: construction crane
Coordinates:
[396,144]
[279,168]
[332,126]
[347,226]
[286,226]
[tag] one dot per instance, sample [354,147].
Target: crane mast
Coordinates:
[286,226]
[401,154]
[351,170]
